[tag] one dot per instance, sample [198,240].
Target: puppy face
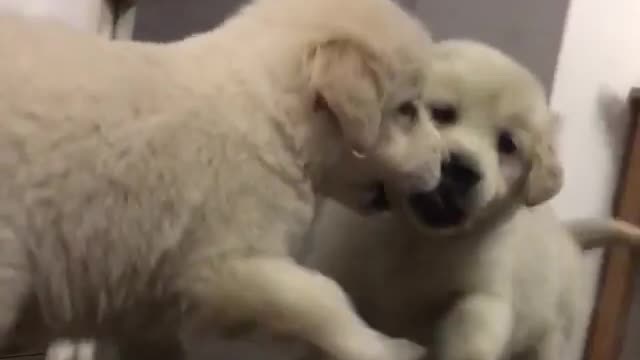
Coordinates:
[493,117]
[370,83]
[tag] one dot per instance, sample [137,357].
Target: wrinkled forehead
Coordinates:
[524,108]
[407,82]
[409,62]
[493,86]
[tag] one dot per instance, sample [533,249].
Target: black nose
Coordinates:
[447,205]
[459,174]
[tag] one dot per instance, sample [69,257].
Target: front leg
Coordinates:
[74,350]
[285,297]
[478,328]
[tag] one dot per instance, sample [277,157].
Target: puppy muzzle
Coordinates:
[448,204]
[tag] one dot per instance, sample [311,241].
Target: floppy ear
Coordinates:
[346,78]
[545,175]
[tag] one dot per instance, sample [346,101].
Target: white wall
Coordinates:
[84,15]
[93,16]
[599,60]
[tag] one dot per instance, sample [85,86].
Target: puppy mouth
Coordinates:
[376,199]
[440,208]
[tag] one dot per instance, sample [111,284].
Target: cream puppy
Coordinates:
[548,305]
[469,269]
[148,189]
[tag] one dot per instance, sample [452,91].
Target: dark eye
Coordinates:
[506,145]
[408,109]
[443,114]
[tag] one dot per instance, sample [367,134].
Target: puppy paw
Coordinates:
[71,350]
[401,349]
[376,346]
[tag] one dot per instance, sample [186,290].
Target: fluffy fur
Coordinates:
[548,303]
[588,234]
[506,286]
[498,278]
[148,188]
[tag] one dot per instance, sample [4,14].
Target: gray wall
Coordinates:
[166,20]
[526,29]
[529,30]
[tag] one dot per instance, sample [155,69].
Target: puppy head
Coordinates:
[498,132]
[351,76]
[367,77]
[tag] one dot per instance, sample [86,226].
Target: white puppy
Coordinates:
[151,188]
[470,268]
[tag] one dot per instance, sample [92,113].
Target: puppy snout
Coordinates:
[447,205]
[429,174]
[459,173]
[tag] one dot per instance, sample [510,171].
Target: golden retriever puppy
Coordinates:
[441,298]
[470,269]
[148,189]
